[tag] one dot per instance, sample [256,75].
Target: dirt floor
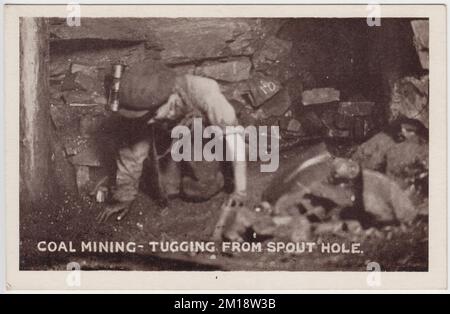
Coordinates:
[394,248]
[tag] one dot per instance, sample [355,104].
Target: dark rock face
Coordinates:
[179,40]
[218,37]
[273,51]
[275,59]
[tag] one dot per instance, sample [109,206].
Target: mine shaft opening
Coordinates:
[359,60]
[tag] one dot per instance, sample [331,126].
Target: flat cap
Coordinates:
[146,85]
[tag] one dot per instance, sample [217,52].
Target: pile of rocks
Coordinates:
[391,194]
[328,196]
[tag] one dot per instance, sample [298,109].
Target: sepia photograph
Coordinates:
[206,144]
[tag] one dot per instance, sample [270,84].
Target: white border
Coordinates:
[235,280]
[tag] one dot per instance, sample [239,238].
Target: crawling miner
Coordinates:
[323,189]
[153,92]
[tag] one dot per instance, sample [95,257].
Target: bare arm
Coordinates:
[221,113]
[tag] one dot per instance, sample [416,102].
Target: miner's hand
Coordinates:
[234,202]
[121,209]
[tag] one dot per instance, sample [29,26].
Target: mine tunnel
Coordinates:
[318,79]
